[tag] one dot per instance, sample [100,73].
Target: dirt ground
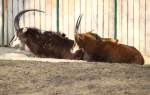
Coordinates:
[69,77]
[17,54]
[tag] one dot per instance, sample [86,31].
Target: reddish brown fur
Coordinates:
[97,37]
[109,39]
[93,35]
[107,51]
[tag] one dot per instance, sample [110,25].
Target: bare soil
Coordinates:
[73,78]
[47,76]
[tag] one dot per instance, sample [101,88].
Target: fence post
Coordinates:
[57,14]
[115,19]
[3,22]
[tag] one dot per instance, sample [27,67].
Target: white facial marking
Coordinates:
[24,30]
[15,42]
[75,49]
[26,48]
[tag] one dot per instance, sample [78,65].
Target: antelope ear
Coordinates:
[25,30]
[63,34]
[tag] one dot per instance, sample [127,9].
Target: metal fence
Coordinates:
[127,20]
[134,23]
[10,8]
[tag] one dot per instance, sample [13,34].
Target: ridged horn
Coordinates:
[18,16]
[78,24]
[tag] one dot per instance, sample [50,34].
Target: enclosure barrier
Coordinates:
[126,20]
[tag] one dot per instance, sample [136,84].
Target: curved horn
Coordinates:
[17,18]
[78,24]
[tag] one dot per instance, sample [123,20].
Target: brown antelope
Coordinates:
[106,51]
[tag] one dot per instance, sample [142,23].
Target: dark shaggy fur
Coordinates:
[47,44]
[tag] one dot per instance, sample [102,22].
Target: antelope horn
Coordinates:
[78,24]
[18,16]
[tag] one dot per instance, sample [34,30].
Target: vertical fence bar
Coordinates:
[103,20]
[7,23]
[3,22]
[127,22]
[145,50]
[45,15]
[40,13]
[68,18]
[12,15]
[34,13]
[57,14]
[115,20]
[23,15]
[0,22]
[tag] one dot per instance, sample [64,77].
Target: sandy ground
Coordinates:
[68,78]
[39,76]
[17,54]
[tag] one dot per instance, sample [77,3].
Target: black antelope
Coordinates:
[48,44]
